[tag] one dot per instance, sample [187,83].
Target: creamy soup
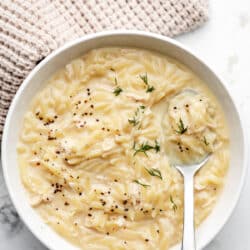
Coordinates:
[98,142]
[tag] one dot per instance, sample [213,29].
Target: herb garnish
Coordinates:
[174,206]
[144,147]
[154,172]
[205,141]
[145,80]
[181,128]
[157,146]
[117,90]
[116,82]
[135,120]
[142,184]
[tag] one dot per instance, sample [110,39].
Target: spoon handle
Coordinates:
[188,240]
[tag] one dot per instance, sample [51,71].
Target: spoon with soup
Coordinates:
[188,149]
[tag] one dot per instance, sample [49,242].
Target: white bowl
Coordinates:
[34,82]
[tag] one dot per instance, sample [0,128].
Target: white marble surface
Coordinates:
[224,43]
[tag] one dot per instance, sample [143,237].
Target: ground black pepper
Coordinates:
[124,202]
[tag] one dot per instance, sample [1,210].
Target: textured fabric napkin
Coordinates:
[31,29]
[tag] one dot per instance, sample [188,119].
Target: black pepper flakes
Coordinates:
[89,215]
[51,138]
[66,203]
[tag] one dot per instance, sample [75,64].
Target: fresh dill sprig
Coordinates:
[150,89]
[144,78]
[205,141]
[144,147]
[174,206]
[181,128]
[154,172]
[140,183]
[135,120]
[116,82]
[117,91]
[157,146]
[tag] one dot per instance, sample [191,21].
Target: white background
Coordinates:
[224,43]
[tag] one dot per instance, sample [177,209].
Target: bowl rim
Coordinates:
[91,36]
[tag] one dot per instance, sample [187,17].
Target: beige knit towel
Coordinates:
[31,29]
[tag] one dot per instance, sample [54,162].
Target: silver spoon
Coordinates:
[188,172]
